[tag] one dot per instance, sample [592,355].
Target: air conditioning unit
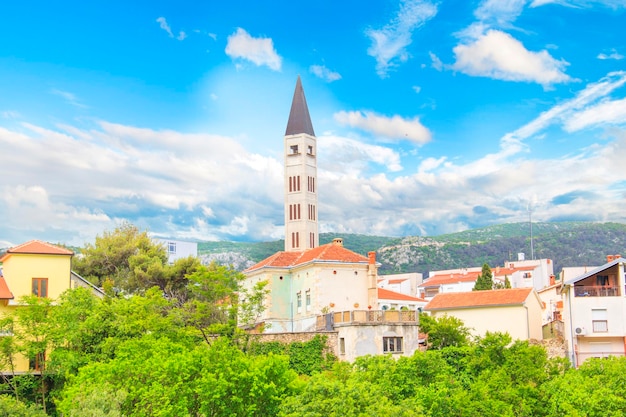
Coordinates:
[580,331]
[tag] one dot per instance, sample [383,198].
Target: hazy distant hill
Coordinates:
[567,244]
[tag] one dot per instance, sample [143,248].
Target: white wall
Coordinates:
[178,249]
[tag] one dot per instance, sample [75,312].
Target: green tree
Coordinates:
[10,407]
[126,256]
[444,331]
[595,389]
[156,376]
[484,280]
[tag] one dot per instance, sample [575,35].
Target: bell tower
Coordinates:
[301,228]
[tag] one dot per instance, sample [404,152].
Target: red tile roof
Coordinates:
[450,279]
[384,294]
[453,300]
[5,293]
[39,247]
[331,252]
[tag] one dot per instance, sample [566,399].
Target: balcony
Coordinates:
[596,291]
[370,317]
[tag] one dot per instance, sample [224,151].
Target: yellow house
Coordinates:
[36,268]
[516,311]
[33,268]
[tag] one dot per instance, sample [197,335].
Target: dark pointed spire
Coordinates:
[299,119]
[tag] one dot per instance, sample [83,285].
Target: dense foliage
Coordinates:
[142,356]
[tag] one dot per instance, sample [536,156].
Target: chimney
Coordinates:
[609,258]
[338,241]
[552,280]
[372,258]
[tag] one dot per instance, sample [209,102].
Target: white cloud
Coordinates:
[166,27]
[417,89]
[389,43]
[10,114]
[498,55]
[436,62]
[608,112]
[611,55]
[163,25]
[568,111]
[48,178]
[613,4]
[259,51]
[352,157]
[324,73]
[68,97]
[499,12]
[395,127]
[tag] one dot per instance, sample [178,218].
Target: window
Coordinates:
[312,240]
[392,344]
[599,320]
[310,150]
[40,287]
[299,301]
[308,300]
[294,149]
[37,362]
[342,346]
[602,280]
[171,247]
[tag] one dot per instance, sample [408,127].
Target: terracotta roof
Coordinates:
[450,279]
[37,247]
[397,281]
[299,118]
[453,300]
[330,252]
[5,293]
[384,294]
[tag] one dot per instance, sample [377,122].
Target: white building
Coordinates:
[594,312]
[178,249]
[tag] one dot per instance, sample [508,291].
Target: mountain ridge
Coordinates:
[566,243]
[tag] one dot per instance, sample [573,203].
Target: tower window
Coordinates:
[294,149]
[310,150]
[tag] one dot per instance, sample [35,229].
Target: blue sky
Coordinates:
[431,117]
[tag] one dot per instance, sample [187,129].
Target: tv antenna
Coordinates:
[530,222]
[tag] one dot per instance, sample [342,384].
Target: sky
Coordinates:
[431,117]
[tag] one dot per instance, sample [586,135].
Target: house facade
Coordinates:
[514,311]
[594,312]
[178,249]
[33,268]
[303,285]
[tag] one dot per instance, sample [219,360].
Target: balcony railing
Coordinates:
[327,321]
[596,291]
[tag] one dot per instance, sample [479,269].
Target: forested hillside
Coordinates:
[567,244]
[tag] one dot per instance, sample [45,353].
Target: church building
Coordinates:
[315,287]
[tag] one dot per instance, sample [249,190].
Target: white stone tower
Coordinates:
[301,229]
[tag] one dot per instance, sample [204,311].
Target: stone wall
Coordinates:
[331,338]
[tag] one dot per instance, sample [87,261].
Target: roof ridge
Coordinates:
[58,249]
